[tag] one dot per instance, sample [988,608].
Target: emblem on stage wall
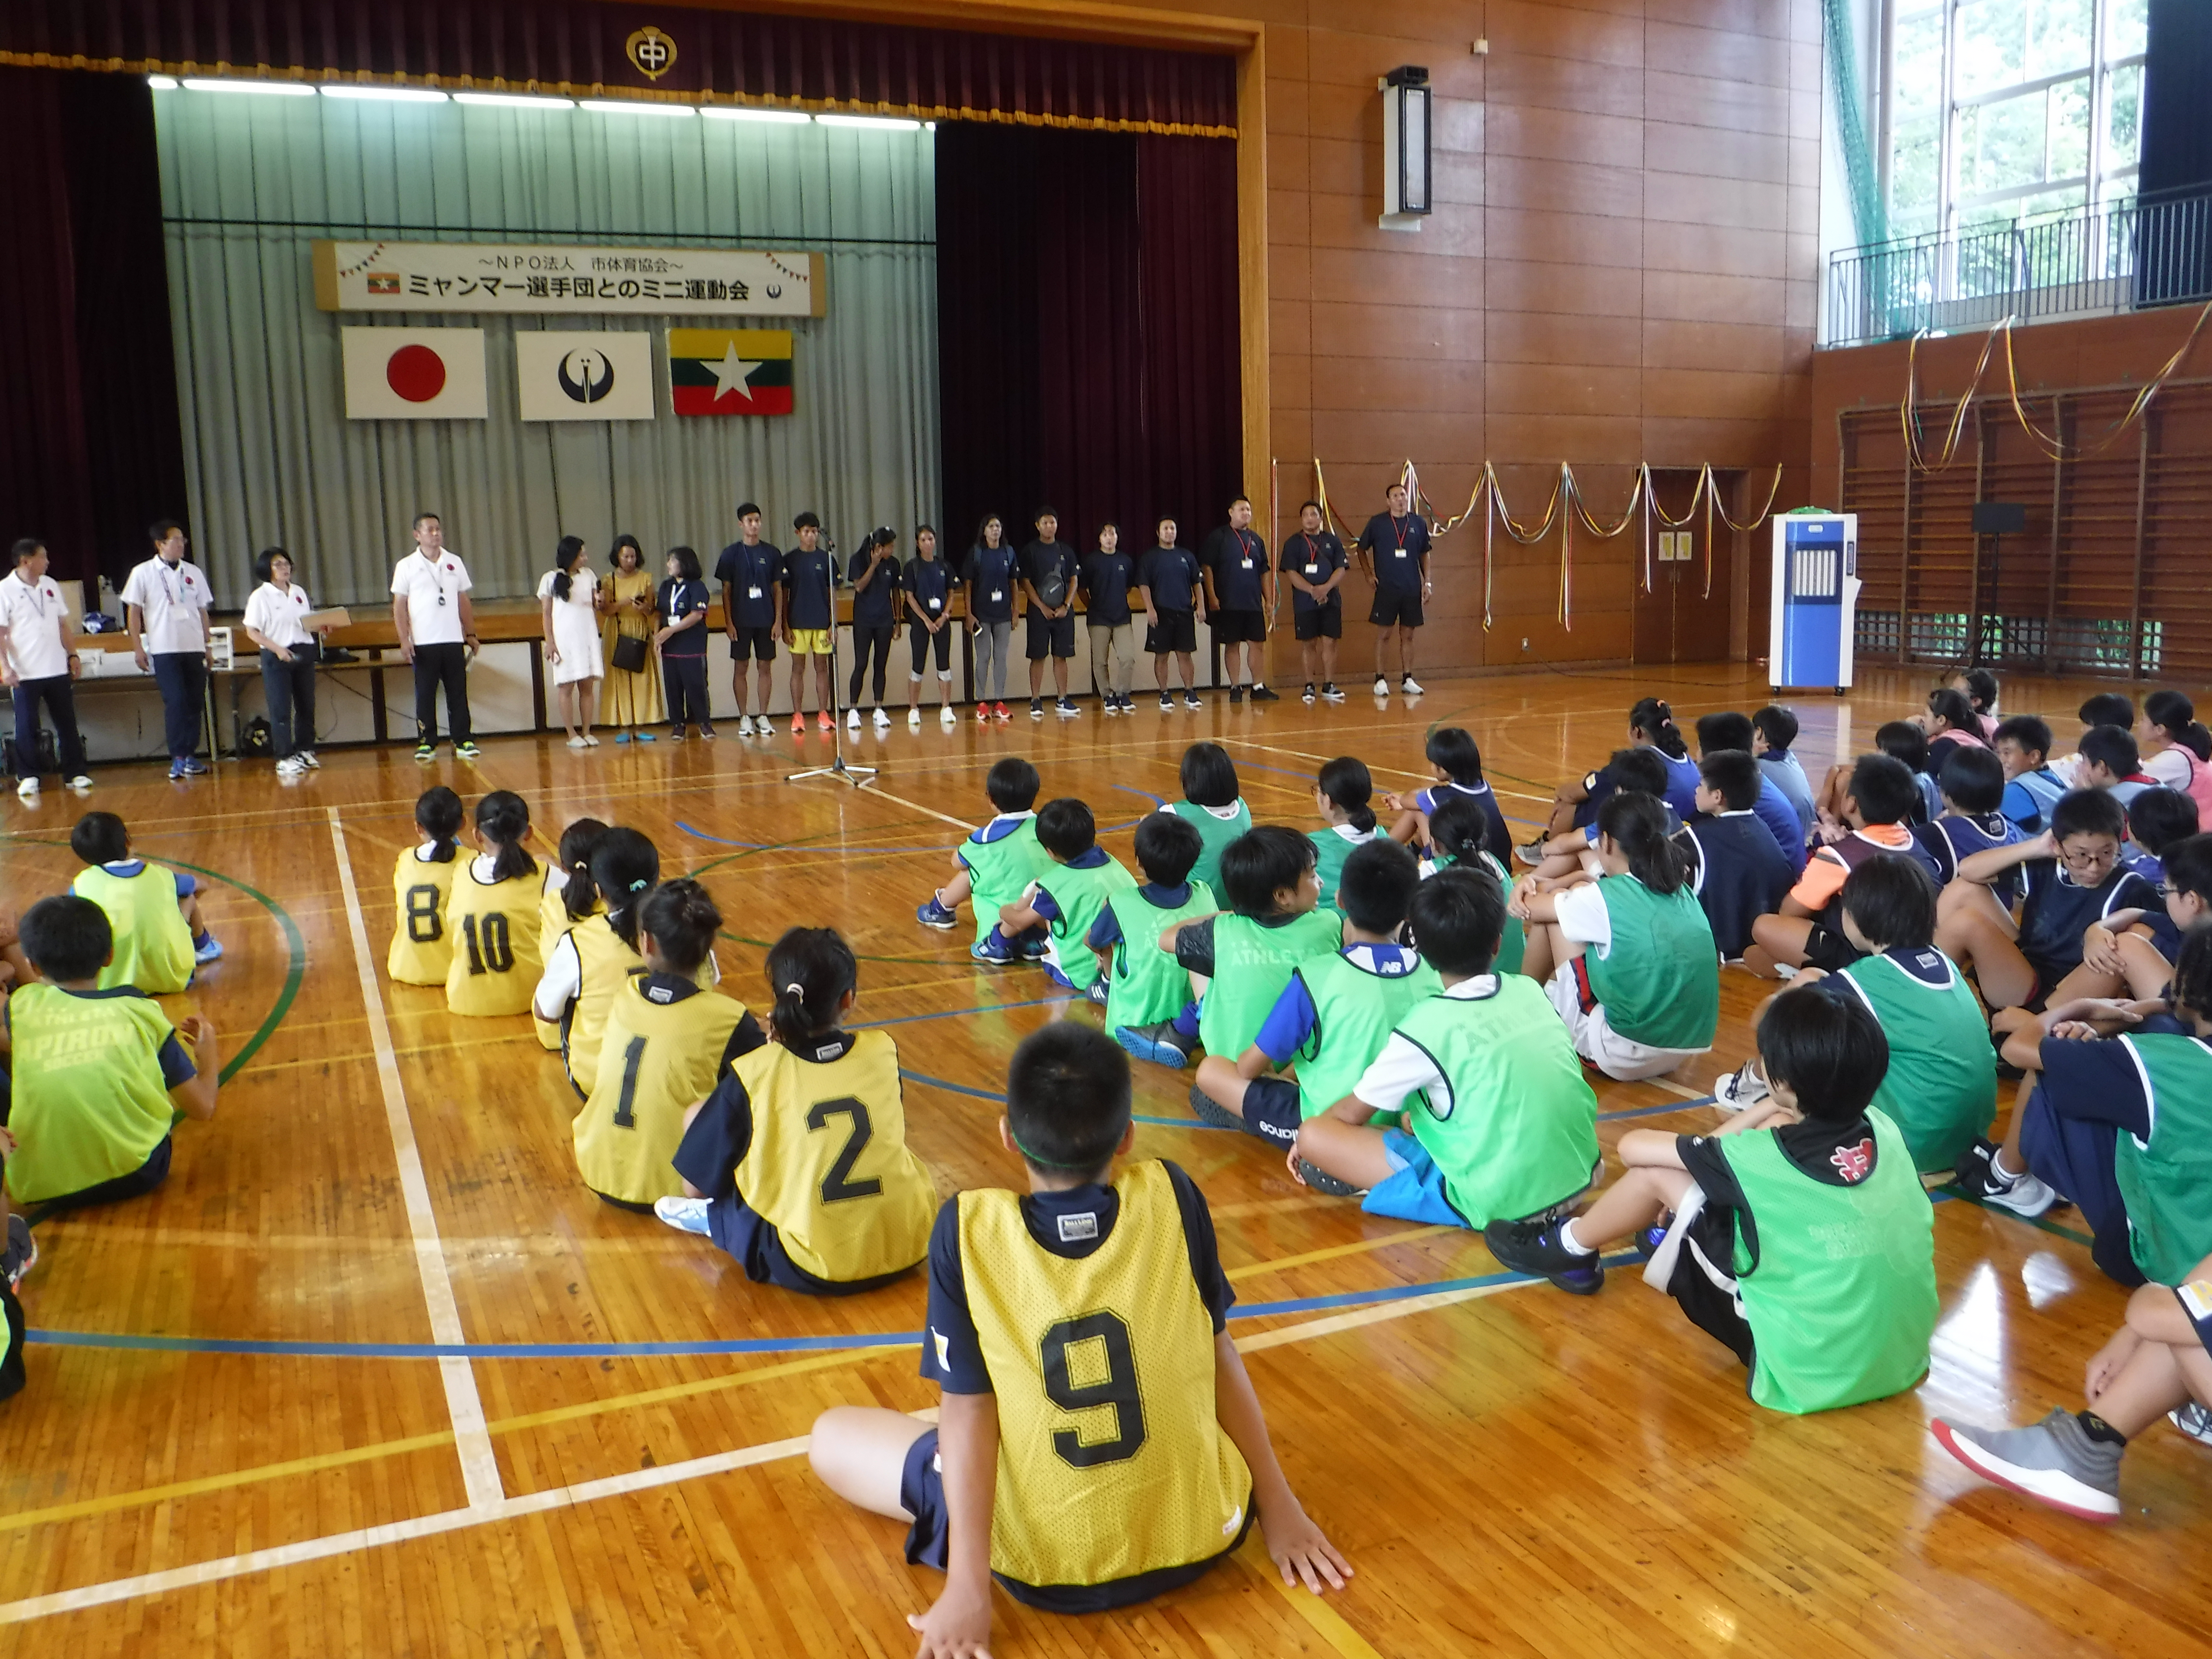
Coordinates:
[654,53]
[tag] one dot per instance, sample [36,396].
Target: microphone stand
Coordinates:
[859,776]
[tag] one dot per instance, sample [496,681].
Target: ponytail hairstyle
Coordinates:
[1981,689]
[1956,709]
[624,866]
[2174,712]
[1656,720]
[503,819]
[438,815]
[1637,823]
[564,561]
[1349,786]
[810,970]
[580,896]
[683,920]
[1459,829]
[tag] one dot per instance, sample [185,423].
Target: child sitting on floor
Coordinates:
[154,912]
[1737,871]
[1878,802]
[1343,796]
[996,863]
[1728,730]
[492,917]
[1651,726]
[1631,771]
[1065,900]
[1456,763]
[1212,805]
[1972,785]
[1334,1017]
[422,881]
[1773,729]
[1800,1237]
[1460,837]
[2131,952]
[1498,1120]
[1146,986]
[2032,788]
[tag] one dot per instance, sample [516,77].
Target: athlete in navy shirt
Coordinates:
[1394,557]
[1169,586]
[750,572]
[1240,590]
[1313,563]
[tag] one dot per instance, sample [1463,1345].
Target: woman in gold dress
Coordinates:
[630,699]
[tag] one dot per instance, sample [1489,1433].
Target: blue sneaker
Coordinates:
[194,766]
[1036,949]
[686,1215]
[621,737]
[208,950]
[1160,1043]
[992,950]
[1096,993]
[1534,1246]
[646,737]
[934,915]
[176,770]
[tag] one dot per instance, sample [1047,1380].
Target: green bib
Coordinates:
[1147,984]
[2167,1180]
[1213,835]
[153,941]
[1660,979]
[1080,894]
[1330,851]
[1251,965]
[1513,943]
[1513,1128]
[1000,871]
[1355,1010]
[1941,1087]
[1841,1305]
[89,1104]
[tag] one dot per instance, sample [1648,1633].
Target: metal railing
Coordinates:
[2090,262]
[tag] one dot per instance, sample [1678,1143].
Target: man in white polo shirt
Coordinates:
[165,603]
[437,630]
[37,665]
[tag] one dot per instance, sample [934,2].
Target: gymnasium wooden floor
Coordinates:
[373,1374]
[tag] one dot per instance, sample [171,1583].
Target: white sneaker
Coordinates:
[82,783]
[306,757]
[686,1215]
[578,743]
[745,725]
[882,721]
[29,789]
[2193,1420]
[1741,1087]
[852,719]
[292,767]
[946,718]
[2027,1195]
[1382,686]
[1409,685]
[914,720]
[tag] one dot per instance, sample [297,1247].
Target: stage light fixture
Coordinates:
[749,112]
[631,106]
[1405,147]
[879,123]
[512,100]
[162,82]
[374,94]
[267,88]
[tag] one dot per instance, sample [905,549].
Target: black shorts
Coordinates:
[1711,1306]
[1826,949]
[758,1247]
[1175,631]
[141,1181]
[1051,637]
[1396,608]
[751,642]
[1319,621]
[922,1494]
[1271,1110]
[1240,627]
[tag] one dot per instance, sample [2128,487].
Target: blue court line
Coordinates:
[704,1349]
[952,1013]
[1656,1111]
[985,1094]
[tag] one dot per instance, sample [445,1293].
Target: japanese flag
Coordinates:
[414,373]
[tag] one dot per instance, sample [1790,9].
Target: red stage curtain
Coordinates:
[91,447]
[1087,331]
[580,46]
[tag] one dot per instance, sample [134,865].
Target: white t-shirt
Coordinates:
[173,598]
[1583,918]
[582,585]
[34,615]
[433,596]
[1404,1066]
[2171,766]
[274,613]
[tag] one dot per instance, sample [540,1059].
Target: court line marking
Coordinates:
[479,1464]
[1334,1252]
[916,806]
[1327,1622]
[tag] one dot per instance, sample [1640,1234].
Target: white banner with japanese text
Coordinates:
[519,278]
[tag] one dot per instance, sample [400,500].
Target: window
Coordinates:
[1997,109]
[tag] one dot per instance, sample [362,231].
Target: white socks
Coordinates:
[1574,1246]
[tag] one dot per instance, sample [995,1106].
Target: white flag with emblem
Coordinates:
[563,374]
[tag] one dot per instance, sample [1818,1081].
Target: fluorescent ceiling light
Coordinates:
[626,106]
[369,94]
[512,100]
[883,123]
[273,88]
[746,112]
[162,82]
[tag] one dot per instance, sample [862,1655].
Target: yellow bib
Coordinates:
[152,940]
[1111,1462]
[658,1060]
[493,929]
[829,1166]
[421,953]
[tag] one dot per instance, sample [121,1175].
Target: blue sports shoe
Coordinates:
[1096,993]
[209,948]
[686,1215]
[1036,947]
[193,766]
[934,915]
[1160,1043]
[992,949]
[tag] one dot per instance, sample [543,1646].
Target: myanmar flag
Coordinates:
[730,371]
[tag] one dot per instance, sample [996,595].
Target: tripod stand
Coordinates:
[859,776]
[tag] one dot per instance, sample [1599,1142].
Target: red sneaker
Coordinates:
[998,712]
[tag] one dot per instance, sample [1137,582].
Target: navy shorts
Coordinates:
[1396,608]
[1050,636]
[1176,630]
[751,642]
[2074,1156]
[752,1239]
[1271,1109]
[1319,621]
[1240,627]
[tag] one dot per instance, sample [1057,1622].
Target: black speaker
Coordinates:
[2000,518]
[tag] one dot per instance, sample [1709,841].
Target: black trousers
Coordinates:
[922,637]
[183,677]
[448,666]
[61,703]
[870,641]
[685,680]
[291,688]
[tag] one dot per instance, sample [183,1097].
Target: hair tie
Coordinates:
[798,991]
[639,886]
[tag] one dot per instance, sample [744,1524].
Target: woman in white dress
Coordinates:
[567,599]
